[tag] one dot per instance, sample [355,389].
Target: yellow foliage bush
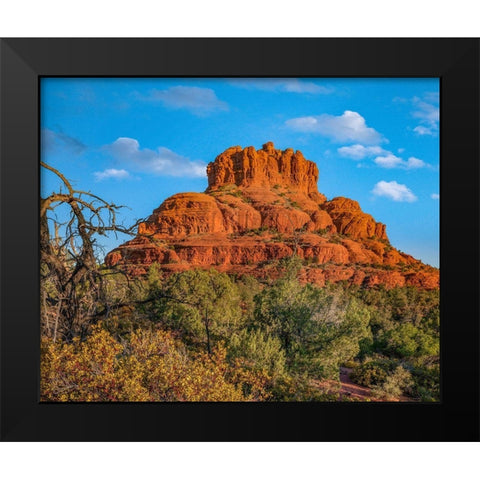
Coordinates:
[148,366]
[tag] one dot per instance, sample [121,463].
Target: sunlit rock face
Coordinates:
[261,206]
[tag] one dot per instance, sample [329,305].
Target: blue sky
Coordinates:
[135,142]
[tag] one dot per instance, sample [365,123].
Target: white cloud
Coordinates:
[394,191]
[392,161]
[427,111]
[388,161]
[383,158]
[112,173]
[421,130]
[292,85]
[348,127]
[414,162]
[199,101]
[359,152]
[161,161]
[435,196]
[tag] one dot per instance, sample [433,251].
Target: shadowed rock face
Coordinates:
[261,206]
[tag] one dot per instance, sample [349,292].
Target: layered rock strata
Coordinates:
[261,206]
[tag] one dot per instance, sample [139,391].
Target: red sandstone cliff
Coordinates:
[263,205]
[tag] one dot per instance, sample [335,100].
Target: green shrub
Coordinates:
[426,382]
[406,340]
[394,385]
[372,373]
[259,350]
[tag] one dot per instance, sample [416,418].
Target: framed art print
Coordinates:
[240,239]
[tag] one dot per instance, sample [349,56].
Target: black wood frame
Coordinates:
[454,61]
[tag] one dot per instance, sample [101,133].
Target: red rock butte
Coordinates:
[261,206]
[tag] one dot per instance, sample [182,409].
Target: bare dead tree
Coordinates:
[71,279]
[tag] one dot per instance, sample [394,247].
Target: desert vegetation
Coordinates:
[207,335]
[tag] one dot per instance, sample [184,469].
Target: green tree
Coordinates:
[318,329]
[339,326]
[406,340]
[285,310]
[202,305]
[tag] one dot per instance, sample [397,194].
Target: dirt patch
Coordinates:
[350,390]
[347,390]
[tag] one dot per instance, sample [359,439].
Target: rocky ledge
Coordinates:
[261,206]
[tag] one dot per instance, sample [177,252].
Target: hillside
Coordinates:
[261,206]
